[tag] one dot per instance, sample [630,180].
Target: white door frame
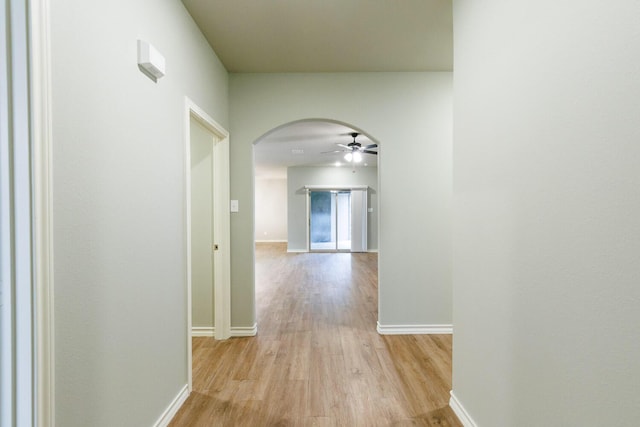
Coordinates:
[334,194]
[42,131]
[350,188]
[32,242]
[221,227]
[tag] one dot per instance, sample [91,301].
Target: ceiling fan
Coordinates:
[354,150]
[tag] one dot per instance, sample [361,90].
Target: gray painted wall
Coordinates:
[298,177]
[410,114]
[546,229]
[118,205]
[271,209]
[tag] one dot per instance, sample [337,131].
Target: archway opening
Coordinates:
[311,195]
[298,157]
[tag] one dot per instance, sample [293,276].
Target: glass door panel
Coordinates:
[330,220]
[322,221]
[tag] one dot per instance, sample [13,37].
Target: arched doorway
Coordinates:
[301,165]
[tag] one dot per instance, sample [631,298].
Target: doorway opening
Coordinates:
[337,219]
[207,223]
[295,158]
[311,198]
[330,220]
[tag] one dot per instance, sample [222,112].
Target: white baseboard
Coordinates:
[460,412]
[203,331]
[236,331]
[244,331]
[373,251]
[272,241]
[173,408]
[414,329]
[297,251]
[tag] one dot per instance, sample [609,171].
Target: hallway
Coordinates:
[317,359]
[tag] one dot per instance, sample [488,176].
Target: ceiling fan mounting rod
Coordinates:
[354,144]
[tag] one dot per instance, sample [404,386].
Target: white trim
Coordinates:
[173,407]
[373,251]
[25,384]
[221,226]
[272,241]
[414,329]
[244,331]
[203,331]
[236,331]
[461,413]
[43,212]
[297,251]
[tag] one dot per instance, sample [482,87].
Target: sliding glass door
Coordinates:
[330,220]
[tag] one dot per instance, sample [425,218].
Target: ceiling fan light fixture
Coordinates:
[348,157]
[357,157]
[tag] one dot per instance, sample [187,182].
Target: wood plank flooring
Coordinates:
[317,359]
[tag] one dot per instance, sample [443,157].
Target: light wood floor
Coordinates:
[317,359]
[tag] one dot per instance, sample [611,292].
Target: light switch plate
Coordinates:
[234,206]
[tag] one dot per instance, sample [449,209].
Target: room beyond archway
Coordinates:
[309,198]
[297,167]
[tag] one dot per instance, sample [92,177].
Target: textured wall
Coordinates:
[118,208]
[271,209]
[546,230]
[410,115]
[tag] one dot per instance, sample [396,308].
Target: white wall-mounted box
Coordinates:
[150,61]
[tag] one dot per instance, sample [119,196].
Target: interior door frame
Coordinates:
[221,227]
[31,122]
[42,128]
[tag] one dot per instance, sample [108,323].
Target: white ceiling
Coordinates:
[268,36]
[306,143]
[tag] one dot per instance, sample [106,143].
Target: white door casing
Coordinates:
[221,226]
[26,215]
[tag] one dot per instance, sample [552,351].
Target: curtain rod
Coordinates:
[336,187]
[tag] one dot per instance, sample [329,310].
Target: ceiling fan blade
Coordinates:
[370,146]
[334,151]
[344,146]
[370,152]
